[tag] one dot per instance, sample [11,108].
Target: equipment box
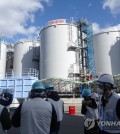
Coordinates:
[21,86]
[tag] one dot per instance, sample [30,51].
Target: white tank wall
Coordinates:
[55,60]
[107,52]
[24,53]
[3,55]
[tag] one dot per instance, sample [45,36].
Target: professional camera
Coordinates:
[6,96]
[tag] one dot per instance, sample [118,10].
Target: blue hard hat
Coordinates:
[38,87]
[8,90]
[48,86]
[86,92]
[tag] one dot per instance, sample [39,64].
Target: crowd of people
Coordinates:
[102,107]
[43,112]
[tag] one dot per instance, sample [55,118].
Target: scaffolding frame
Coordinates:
[84,51]
[86,43]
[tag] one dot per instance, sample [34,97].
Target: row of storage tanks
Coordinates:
[51,57]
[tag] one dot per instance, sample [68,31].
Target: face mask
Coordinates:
[100,91]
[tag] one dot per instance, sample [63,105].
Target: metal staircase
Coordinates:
[83,49]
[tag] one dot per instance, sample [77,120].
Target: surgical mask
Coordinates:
[100,91]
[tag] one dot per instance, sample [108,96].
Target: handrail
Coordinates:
[26,72]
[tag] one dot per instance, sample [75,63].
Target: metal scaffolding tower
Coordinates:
[86,43]
[84,51]
[91,62]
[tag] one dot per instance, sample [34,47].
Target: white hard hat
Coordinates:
[106,78]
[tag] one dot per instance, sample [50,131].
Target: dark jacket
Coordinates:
[91,104]
[58,104]
[5,119]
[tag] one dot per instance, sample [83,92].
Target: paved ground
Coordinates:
[71,124]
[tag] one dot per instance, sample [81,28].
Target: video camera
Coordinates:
[6,96]
[6,91]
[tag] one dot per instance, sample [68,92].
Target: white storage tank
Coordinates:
[26,56]
[3,55]
[55,59]
[107,52]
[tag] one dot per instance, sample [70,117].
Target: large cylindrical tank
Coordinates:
[55,59]
[107,52]
[26,56]
[3,54]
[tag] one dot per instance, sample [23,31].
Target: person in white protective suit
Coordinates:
[36,115]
